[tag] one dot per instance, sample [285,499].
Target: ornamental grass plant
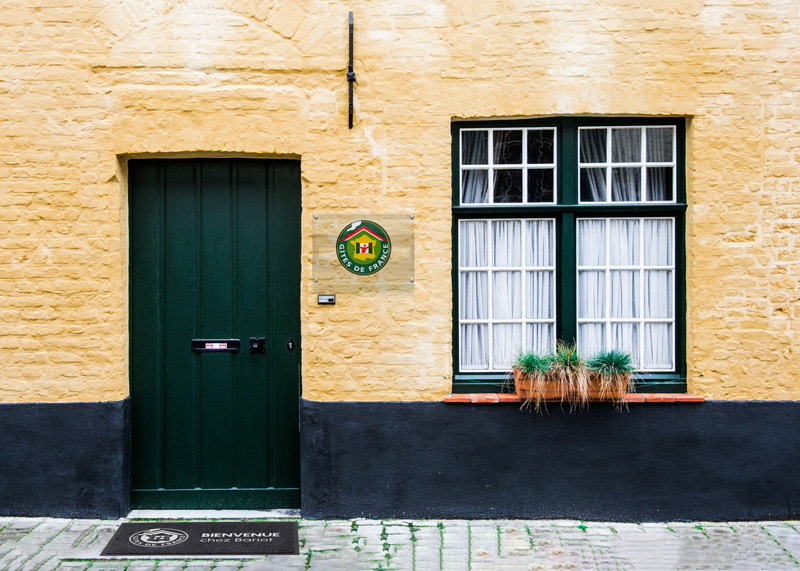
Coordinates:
[530,375]
[565,375]
[613,370]
[572,373]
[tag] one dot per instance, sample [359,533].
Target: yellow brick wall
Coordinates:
[85,85]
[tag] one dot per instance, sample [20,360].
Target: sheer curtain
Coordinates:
[474,151]
[625,289]
[473,297]
[591,286]
[475,186]
[593,151]
[659,293]
[506,291]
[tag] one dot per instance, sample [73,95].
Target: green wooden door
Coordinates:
[214,256]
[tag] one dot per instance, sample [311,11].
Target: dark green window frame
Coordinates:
[565,211]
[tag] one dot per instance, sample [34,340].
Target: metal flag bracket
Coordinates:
[351,76]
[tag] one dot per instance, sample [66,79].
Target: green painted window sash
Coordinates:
[565,213]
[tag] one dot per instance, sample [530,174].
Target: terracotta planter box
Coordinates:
[553,391]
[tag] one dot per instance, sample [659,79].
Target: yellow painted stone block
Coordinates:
[87,88]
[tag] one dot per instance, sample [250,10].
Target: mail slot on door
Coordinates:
[216,345]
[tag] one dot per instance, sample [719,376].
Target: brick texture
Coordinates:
[85,85]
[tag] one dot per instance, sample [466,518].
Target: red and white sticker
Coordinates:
[216,345]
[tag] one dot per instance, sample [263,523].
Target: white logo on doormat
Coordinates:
[159,537]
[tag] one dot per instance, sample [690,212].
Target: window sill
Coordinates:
[630,398]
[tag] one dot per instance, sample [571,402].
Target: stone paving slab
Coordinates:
[45,544]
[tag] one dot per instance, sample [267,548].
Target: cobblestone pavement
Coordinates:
[64,544]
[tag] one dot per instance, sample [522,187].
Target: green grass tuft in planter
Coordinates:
[613,369]
[566,376]
[572,373]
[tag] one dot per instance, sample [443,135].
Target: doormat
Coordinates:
[205,538]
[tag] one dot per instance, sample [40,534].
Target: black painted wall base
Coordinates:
[64,459]
[713,461]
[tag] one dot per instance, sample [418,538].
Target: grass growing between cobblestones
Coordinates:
[703,531]
[440,525]
[786,551]
[386,546]
[413,529]
[372,545]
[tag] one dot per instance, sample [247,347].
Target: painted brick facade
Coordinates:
[86,85]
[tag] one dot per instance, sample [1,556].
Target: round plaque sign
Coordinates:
[363,247]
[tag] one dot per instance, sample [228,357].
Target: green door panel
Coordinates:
[214,254]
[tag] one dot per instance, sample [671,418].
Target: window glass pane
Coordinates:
[474,347]
[624,294]
[592,145]
[625,337]
[658,242]
[506,295]
[591,339]
[659,144]
[540,243]
[591,242]
[474,187]
[539,296]
[540,337]
[474,295]
[507,243]
[593,185]
[659,183]
[507,341]
[508,147]
[540,185]
[508,185]
[657,346]
[541,147]
[474,147]
[625,184]
[623,242]
[658,294]
[626,145]
[591,294]
[473,243]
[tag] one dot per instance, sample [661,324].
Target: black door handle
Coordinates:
[258,345]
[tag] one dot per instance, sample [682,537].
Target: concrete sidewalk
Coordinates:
[45,544]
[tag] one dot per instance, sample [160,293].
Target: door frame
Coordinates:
[244,498]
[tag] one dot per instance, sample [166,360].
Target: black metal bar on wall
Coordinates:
[351,75]
[713,461]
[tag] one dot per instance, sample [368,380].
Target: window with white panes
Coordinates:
[506,290]
[627,164]
[625,293]
[508,166]
[569,229]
